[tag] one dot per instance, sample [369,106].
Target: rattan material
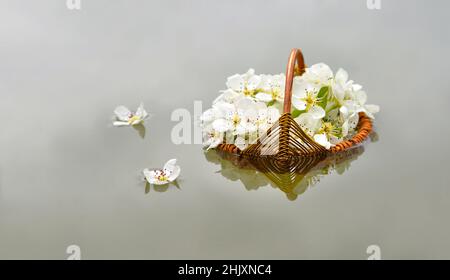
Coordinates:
[286,141]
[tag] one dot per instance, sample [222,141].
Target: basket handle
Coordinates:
[295,57]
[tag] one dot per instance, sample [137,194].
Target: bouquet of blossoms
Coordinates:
[325,106]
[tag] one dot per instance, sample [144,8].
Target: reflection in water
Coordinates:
[140,128]
[293,179]
[161,188]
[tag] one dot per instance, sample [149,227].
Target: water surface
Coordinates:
[68,177]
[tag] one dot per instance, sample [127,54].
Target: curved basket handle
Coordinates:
[291,71]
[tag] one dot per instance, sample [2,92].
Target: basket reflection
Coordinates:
[293,177]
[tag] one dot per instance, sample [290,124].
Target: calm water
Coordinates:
[68,177]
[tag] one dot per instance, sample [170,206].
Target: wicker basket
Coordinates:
[286,141]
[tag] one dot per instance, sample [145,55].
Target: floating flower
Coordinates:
[125,117]
[168,174]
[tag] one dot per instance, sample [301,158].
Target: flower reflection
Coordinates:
[161,188]
[292,179]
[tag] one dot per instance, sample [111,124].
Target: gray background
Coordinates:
[68,177]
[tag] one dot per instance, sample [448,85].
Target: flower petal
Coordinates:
[341,76]
[356,87]
[122,113]
[241,143]
[169,166]
[345,127]
[361,97]
[322,140]
[172,169]
[208,115]
[262,96]
[120,123]
[150,175]
[298,103]
[344,112]
[373,109]
[222,125]
[236,83]
[250,72]
[140,112]
[253,82]
[215,142]
[317,112]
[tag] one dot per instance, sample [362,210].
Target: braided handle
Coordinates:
[295,57]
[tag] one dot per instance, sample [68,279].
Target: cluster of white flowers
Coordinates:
[248,108]
[326,106]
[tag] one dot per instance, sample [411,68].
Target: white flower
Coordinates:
[228,96]
[211,137]
[168,174]
[318,75]
[322,140]
[210,115]
[358,104]
[271,88]
[125,117]
[267,117]
[327,135]
[246,84]
[258,121]
[341,85]
[368,109]
[234,117]
[349,120]
[305,98]
[309,123]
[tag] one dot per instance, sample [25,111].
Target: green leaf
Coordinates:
[297,113]
[271,103]
[323,95]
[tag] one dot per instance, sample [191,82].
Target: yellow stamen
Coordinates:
[327,128]
[133,119]
[310,99]
[275,93]
[236,119]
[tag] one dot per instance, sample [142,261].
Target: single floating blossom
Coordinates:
[168,174]
[124,117]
